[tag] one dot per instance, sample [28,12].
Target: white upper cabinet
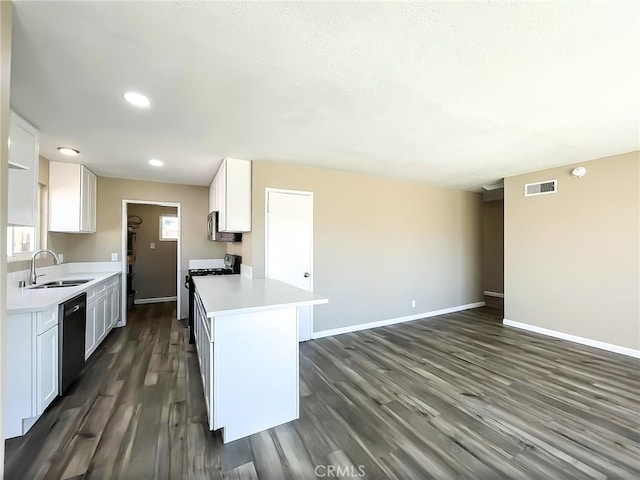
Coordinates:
[24,142]
[230,195]
[72,198]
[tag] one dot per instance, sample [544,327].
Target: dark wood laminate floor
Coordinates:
[458,396]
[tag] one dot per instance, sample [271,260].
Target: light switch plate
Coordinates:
[153,246]
[114,257]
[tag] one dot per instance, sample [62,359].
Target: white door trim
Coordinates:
[267,191]
[123,256]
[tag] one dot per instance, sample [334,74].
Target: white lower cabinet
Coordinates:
[204,348]
[46,368]
[31,377]
[32,354]
[248,388]
[103,312]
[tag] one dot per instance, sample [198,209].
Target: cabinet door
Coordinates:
[90,336]
[93,182]
[204,348]
[238,195]
[22,186]
[211,388]
[115,304]
[19,400]
[88,201]
[203,357]
[46,368]
[65,183]
[221,203]
[101,326]
[93,202]
[213,207]
[108,315]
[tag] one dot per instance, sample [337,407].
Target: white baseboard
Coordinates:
[393,321]
[494,294]
[141,301]
[574,338]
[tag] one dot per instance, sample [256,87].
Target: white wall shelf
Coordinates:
[24,148]
[17,166]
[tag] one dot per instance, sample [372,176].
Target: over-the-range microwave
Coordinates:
[216,236]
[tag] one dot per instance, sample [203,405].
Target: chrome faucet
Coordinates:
[32,275]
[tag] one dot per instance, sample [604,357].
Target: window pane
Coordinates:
[168,228]
[24,239]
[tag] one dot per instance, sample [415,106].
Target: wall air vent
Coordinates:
[541,188]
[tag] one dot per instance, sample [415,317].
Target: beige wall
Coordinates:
[242,249]
[155,268]
[572,258]
[5,76]
[493,246]
[378,243]
[108,238]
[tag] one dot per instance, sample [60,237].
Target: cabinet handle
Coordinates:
[74,309]
[306,274]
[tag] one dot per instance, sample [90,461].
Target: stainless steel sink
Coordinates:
[61,284]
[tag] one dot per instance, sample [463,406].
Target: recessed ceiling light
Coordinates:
[137,99]
[155,162]
[69,151]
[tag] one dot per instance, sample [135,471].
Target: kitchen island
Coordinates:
[246,334]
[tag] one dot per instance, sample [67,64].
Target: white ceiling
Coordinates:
[456,94]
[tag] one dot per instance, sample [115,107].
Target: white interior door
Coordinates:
[289,246]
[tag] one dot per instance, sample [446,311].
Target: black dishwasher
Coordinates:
[72,324]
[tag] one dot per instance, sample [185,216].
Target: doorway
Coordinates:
[289,245]
[151,254]
[493,251]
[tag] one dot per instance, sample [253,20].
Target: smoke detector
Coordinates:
[578,172]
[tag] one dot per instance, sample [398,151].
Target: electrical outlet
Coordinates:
[114,257]
[153,246]
[413,304]
[61,257]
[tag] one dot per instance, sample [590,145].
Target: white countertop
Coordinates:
[32,300]
[236,294]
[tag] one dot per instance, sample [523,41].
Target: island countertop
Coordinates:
[236,294]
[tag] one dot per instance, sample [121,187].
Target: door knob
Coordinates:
[306,274]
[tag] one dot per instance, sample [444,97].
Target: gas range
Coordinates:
[230,265]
